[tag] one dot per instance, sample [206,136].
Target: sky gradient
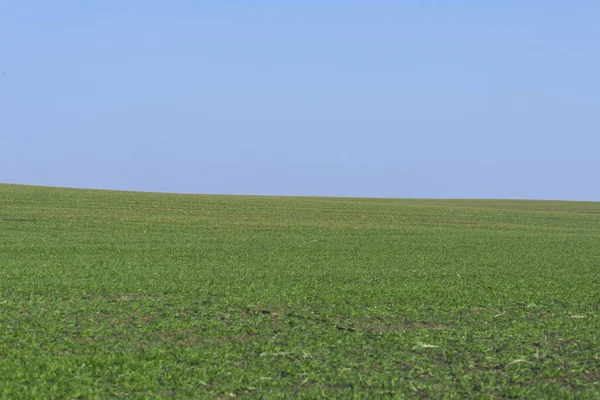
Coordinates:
[439,98]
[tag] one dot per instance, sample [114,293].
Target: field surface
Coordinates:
[138,295]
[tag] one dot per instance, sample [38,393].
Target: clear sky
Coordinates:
[419,98]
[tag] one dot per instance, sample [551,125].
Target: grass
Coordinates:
[140,295]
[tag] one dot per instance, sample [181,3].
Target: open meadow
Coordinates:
[146,295]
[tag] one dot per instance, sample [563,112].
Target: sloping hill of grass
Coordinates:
[141,295]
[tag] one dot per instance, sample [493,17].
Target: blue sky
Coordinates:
[424,98]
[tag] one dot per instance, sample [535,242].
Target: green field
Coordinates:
[143,295]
